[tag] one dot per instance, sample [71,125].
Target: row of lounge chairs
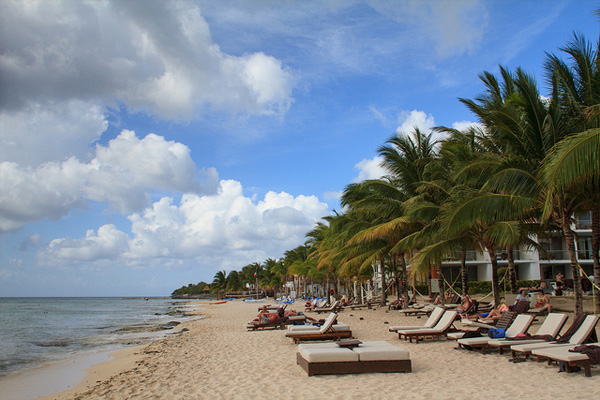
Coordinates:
[545,344]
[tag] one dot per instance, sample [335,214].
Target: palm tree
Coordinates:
[579,94]
[219,281]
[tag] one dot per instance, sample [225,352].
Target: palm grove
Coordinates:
[528,166]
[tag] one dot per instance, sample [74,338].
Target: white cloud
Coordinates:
[369,169]
[107,244]
[466,125]
[122,174]
[38,134]
[152,55]
[414,119]
[224,228]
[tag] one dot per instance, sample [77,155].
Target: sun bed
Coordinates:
[583,334]
[333,308]
[506,318]
[356,358]
[550,328]
[519,326]
[571,359]
[424,310]
[327,331]
[443,326]
[339,326]
[279,323]
[434,317]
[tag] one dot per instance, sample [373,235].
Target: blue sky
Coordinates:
[146,145]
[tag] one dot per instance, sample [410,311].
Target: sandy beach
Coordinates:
[216,357]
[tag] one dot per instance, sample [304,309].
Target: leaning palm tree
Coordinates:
[574,164]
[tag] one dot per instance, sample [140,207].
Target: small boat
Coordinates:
[217,302]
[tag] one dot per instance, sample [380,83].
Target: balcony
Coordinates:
[470,256]
[583,222]
[555,255]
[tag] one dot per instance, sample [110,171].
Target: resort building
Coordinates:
[529,263]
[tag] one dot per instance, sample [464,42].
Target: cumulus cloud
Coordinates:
[466,125]
[153,56]
[414,119]
[226,226]
[38,134]
[369,169]
[122,174]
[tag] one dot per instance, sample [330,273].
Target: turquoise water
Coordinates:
[34,331]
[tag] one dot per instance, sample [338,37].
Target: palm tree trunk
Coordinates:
[464,273]
[396,275]
[440,279]
[404,276]
[512,272]
[596,251]
[570,239]
[383,294]
[491,249]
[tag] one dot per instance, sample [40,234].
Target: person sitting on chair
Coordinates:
[465,305]
[542,302]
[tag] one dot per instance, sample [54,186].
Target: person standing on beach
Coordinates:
[559,284]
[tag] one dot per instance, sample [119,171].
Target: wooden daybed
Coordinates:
[367,357]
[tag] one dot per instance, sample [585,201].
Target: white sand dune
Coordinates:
[218,359]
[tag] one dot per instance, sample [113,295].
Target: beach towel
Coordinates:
[592,351]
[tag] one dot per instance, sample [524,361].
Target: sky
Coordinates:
[146,145]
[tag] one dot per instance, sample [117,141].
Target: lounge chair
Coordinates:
[550,329]
[333,308]
[280,323]
[327,331]
[434,317]
[443,326]
[570,358]
[352,358]
[419,310]
[583,333]
[505,320]
[519,326]
[337,325]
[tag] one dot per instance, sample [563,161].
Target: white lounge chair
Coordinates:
[443,326]
[579,337]
[551,327]
[563,353]
[434,317]
[325,332]
[519,326]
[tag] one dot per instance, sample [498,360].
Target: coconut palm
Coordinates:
[219,281]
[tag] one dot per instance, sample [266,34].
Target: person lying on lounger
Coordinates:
[493,315]
[292,313]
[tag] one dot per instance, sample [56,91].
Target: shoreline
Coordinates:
[83,369]
[217,358]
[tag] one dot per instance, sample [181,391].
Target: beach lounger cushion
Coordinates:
[375,351]
[319,359]
[329,354]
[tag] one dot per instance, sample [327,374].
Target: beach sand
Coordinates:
[218,358]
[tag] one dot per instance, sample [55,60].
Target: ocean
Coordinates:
[36,331]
